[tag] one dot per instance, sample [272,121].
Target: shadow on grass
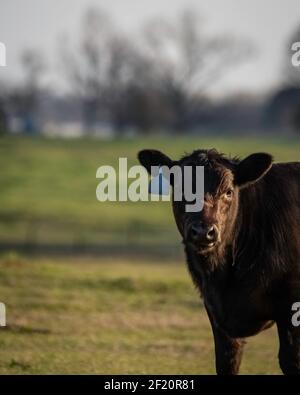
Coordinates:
[162,251]
[25,330]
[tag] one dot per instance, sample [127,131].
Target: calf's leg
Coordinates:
[228,351]
[289,350]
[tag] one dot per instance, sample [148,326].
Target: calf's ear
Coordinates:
[252,168]
[150,157]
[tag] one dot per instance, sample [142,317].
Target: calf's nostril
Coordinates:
[211,233]
[203,233]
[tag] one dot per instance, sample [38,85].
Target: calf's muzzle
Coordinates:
[203,234]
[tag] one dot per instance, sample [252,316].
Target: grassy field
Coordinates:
[48,188]
[110,317]
[117,313]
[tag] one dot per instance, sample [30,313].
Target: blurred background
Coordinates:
[128,68]
[84,85]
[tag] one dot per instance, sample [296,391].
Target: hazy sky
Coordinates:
[268,24]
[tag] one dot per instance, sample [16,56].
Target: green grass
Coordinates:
[48,188]
[105,316]
[111,315]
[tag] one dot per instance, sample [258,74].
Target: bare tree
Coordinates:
[154,80]
[121,72]
[86,65]
[133,98]
[24,99]
[187,61]
[107,71]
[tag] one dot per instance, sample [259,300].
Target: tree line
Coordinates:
[154,79]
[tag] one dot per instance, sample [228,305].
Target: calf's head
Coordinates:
[207,229]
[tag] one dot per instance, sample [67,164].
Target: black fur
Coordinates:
[250,279]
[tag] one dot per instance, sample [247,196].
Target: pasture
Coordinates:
[48,190]
[110,316]
[123,302]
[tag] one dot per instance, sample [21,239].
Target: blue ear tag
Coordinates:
[159,185]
